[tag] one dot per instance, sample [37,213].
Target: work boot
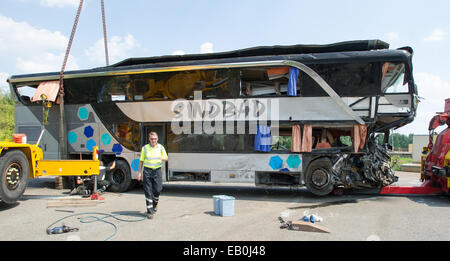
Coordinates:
[150,215]
[155,206]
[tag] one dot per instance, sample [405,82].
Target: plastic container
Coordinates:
[227,206]
[312,218]
[20,138]
[316,218]
[216,202]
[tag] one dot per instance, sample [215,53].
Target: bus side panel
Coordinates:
[86,130]
[227,167]
[28,120]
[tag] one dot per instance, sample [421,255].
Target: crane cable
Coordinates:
[104,33]
[66,56]
[72,35]
[63,147]
[62,123]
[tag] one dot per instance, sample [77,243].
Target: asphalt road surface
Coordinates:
[186,213]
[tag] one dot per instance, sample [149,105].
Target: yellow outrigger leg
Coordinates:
[69,167]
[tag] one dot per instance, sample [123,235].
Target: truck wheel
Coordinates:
[120,177]
[14,170]
[318,177]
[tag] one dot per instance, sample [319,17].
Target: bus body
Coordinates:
[266,115]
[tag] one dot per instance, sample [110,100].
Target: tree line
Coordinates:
[6,116]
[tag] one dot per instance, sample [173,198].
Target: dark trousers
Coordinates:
[152,181]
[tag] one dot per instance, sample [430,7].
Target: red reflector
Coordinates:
[19,138]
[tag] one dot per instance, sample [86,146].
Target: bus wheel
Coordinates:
[14,170]
[119,177]
[318,177]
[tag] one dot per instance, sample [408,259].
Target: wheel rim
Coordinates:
[118,176]
[319,177]
[13,176]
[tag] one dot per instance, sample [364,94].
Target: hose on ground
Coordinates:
[94,218]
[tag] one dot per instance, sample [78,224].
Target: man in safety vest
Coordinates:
[152,157]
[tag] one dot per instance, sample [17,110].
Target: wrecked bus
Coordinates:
[300,115]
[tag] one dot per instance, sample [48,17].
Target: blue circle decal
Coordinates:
[106,139]
[90,144]
[88,131]
[135,164]
[276,162]
[72,137]
[83,113]
[117,148]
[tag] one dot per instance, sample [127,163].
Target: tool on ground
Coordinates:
[94,217]
[285,224]
[60,230]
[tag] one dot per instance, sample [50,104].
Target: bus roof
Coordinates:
[361,50]
[360,45]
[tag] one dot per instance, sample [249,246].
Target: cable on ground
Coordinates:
[91,219]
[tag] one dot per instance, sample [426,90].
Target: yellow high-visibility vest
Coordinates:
[151,156]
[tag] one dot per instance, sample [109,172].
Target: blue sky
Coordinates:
[34,33]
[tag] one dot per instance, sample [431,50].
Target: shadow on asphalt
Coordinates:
[4,206]
[250,192]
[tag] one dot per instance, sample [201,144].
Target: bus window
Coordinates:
[346,79]
[265,81]
[26,93]
[117,88]
[220,84]
[210,143]
[128,133]
[394,80]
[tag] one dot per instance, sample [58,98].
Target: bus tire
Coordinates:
[14,170]
[318,177]
[119,177]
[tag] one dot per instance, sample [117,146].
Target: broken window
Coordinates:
[26,93]
[350,80]
[265,81]
[394,78]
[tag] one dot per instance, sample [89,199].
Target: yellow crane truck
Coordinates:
[20,161]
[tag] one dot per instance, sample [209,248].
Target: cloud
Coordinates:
[430,88]
[119,48]
[24,39]
[436,36]
[206,48]
[4,86]
[45,62]
[33,50]
[178,52]
[60,3]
